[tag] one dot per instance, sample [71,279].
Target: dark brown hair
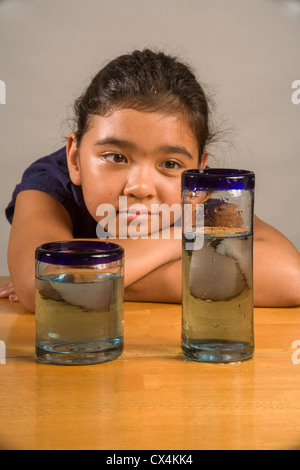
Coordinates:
[147,81]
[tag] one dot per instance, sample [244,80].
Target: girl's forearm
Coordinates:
[276,264]
[143,256]
[161,285]
[276,276]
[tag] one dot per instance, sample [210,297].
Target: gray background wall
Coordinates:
[246,51]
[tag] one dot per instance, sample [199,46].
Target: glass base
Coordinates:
[217,351]
[79,352]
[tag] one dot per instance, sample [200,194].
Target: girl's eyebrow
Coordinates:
[114,141]
[175,149]
[167,149]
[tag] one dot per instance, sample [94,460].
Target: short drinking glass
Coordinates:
[79,302]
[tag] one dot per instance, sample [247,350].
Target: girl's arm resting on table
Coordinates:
[152,267]
[276,268]
[39,218]
[145,256]
[161,285]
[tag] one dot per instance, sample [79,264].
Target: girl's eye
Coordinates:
[171,165]
[115,158]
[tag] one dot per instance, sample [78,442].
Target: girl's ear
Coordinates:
[73,159]
[203,161]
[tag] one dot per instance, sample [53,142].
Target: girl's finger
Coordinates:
[6,290]
[13,298]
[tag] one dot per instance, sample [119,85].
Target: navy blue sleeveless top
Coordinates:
[50,174]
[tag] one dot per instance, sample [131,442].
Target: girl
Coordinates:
[141,122]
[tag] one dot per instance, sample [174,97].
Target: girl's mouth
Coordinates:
[135,215]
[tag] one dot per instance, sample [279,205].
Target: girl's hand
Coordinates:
[8,291]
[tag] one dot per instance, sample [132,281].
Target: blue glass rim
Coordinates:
[217,179]
[79,252]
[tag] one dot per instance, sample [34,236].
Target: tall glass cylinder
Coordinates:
[217,280]
[79,302]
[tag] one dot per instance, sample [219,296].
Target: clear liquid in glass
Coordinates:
[79,318]
[217,305]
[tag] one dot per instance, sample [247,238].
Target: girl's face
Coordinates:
[137,155]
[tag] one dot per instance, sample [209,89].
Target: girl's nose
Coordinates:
[140,183]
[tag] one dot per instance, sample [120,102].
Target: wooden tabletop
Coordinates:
[151,397]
